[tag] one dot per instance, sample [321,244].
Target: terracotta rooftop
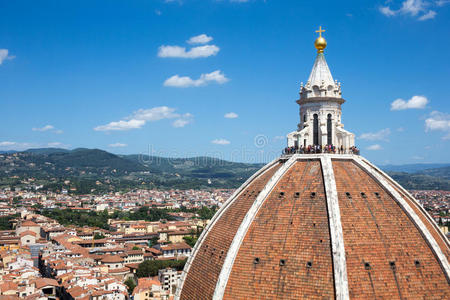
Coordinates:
[145,284]
[175,246]
[43,282]
[28,223]
[112,259]
[28,232]
[8,286]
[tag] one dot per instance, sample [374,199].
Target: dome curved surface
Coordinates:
[319,226]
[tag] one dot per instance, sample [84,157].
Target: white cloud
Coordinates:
[121,125]
[117,145]
[429,15]
[221,142]
[186,81]
[279,138]
[200,39]
[438,121]
[442,2]
[387,11]
[7,144]
[42,129]
[140,117]
[57,145]
[20,146]
[412,8]
[196,52]
[47,128]
[154,114]
[231,115]
[400,129]
[375,147]
[4,55]
[417,157]
[376,136]
[416,102]
[183,120]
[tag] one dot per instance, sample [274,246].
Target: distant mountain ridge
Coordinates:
[412,168]
[92,165]
[96,168]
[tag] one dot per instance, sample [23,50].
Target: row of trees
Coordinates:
[144,213]
[78,218]
[150,268]
[100,219]
[5,222]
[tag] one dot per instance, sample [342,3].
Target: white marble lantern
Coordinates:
[320,108]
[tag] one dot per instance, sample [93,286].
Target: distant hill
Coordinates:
[58,163]
[412,168]
[199,167]
[47,150]
[85,167]
[8,152]
[443,172]
[421,176]
[97,170]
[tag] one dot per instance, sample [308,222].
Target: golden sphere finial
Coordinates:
[320,42]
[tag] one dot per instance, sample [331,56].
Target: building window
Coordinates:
[304,118]
[329,131]
[316,129]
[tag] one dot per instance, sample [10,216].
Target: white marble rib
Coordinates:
[243,228]
[214,220]
[336,234]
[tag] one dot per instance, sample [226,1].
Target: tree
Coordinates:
[130,285]
[190,240]
[153,241]
[5,222]
[150,268]
[37,206]
[98,236]
[207,213]
[136,248]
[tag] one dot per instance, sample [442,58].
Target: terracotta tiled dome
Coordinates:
[319,226]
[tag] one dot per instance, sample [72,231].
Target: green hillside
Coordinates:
[93,170]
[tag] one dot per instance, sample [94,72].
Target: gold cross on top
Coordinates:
[320,31]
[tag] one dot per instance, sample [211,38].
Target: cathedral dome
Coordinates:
[319,226]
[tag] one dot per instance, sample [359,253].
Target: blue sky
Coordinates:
[208,77]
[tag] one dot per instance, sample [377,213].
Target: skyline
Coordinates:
[127,78]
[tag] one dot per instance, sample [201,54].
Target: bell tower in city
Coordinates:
[320,107]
